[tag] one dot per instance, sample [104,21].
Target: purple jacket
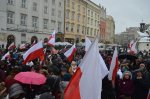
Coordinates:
[126,87]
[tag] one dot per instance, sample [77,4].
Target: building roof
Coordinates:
[144,40]
[142,34]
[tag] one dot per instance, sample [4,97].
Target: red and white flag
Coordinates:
[86,83]
[70,53]
[131,43]
[34,52]
[22,46]
[51,40]
[133,48]
[114,66]
[12,46]
[7,55]
[87,43]
[33,43]
[148,96]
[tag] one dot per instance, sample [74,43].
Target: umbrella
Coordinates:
[127,56]
[30,78]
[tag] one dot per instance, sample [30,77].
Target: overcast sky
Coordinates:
[127,13]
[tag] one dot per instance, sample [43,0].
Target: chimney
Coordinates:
[142,27]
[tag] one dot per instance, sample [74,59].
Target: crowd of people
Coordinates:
[132,81]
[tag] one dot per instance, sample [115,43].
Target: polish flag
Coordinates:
[148,97]
[33,43]
[70,53]
[114,66]
[36,51]
[133,48]
[12,46]
[51,40]
[86,83]
[131,43]
[7,55]
[87,43]
[22,46]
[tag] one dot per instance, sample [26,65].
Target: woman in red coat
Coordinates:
[126,86]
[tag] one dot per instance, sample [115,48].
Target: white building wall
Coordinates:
[144,46]
[30,31]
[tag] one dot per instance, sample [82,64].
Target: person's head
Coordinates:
[127,75]
[16,91]
[139,74]
[73,64]
[142,65]
[63,71]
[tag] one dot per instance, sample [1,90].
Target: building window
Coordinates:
[73,14]
[59,4]
[53,2]
[78,28]
[67,27]
[95,23]
[78,17]
[11,2]
[82,29]
[79,8]
[53,24]
[95,32]
[91,21]
[84,10]
[59,14]
[91,32]
[88,31]
[88,20]
[23,19]
[10,17]
[53,12]
[73,4]
[23,38]
[95,16]
[45,23]
[34,6]
[72,26]
[68,3]
[89,12]
[23,4]
[59,26]
[83,19]
[67,14]
[45,9]
[34,21]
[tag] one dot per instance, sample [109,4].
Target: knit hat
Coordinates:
[15,89]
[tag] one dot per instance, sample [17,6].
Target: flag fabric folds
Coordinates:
[87,43]
[51,40]
[114,66]
[12,46]
[36,51]
[22,46]
[131,43]
[133,48]
[7,55]
[70,53]
[86,83]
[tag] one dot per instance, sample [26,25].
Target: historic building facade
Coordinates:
[23,21]
[110,29]
[75,20]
